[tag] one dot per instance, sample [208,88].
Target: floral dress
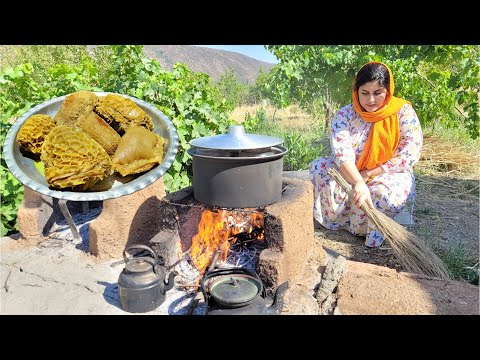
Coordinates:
[390,191]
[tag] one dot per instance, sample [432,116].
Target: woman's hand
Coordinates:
[362,194]
[353,176]
[364,175]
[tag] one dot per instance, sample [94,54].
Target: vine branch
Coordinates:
[433,85]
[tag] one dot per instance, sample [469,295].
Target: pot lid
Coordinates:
[139,265]
[234,289]
[236,139]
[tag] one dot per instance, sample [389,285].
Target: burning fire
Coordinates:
[217,229]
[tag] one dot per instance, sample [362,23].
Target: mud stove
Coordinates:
[274,241]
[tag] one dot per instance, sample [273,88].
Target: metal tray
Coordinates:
[25,171]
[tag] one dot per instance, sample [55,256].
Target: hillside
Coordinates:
[211,61]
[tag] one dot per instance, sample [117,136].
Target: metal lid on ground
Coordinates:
[236,139]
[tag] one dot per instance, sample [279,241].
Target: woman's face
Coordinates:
[371,96]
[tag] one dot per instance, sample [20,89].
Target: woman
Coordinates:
[375,142]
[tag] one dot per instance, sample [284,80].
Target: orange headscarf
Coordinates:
[385,132]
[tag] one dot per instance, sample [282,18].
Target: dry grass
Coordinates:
[292,117]
[441,157]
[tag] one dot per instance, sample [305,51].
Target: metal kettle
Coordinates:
[141,283]
[238,291]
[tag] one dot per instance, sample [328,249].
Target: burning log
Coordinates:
[220,228]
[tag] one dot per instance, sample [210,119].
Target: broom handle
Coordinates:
[349,189]
[342,182]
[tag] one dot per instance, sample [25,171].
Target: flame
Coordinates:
[214,231]
[258,221]
[211,233]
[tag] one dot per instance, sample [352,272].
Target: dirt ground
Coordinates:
[446,216]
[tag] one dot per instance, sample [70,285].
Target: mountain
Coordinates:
[211,61]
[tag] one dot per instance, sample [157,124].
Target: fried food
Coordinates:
[75,106]
[120,112]
[73,159]
[138,150]
[32,134]
[100,131]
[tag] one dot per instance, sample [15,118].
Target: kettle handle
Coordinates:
[139,247]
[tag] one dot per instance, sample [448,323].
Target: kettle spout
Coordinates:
[277,305]
[167,286]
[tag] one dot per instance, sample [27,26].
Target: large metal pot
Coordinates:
[237,170]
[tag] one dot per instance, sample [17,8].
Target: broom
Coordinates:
[412,252]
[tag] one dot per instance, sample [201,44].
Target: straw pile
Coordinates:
[448,158]
[412,252]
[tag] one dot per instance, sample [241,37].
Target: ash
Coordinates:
[177,302]
[187,274]
[243,254]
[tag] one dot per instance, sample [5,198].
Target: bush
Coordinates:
[230,89]
[301,150]
[11,191]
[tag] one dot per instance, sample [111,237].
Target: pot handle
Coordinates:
[144,247]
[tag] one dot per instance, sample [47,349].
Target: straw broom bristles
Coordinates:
[412,252]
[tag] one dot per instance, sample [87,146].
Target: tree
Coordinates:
[235,93]
[442,81]
[259,91]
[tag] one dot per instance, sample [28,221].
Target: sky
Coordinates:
[254,51]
